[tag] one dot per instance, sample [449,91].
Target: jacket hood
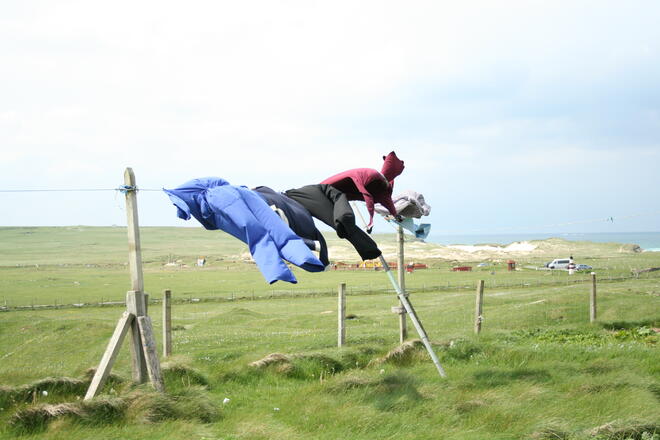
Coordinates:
[392,167]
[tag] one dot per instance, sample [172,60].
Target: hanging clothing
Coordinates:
[409,204]
[331,206]
[240,212]
[297,218]
[370,185]
[420,230]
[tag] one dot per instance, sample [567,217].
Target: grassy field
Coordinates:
[75,265]
[538,370]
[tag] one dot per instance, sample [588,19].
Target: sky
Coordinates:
[511,116]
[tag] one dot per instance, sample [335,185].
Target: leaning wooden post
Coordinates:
[111,352]
[167,323]
[403,328]
[150,353]
[479,310]
[592,299]
[341,315]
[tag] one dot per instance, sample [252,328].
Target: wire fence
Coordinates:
[357,290]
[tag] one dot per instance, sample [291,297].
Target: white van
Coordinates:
[559,263]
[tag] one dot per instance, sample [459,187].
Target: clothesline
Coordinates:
[72,189]
[610,219]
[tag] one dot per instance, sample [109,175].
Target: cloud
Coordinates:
[471,95]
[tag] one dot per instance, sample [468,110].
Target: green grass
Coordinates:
[538,369]
[74,265]
[535,365]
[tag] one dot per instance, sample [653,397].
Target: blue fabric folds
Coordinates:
[420,230]
[240,212]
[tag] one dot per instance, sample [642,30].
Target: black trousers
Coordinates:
[331,206]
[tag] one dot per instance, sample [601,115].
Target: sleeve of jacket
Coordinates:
[386,201]
[361,180]
[290,246]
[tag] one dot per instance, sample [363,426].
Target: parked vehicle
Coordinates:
[583,267]
[559,263]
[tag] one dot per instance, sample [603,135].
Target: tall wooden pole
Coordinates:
[134,247]
[592,299]
[135,303]
[403,328]
[145,361]
[341,315]
[479,309]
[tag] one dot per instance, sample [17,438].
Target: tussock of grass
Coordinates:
[590,388]
[461,350]
[141,405]
[111,380]
[550,433]
[242,311]
[470,405]
[351,382]
[632,430]
[93,412]
[401,355]
[271,359]
[58,386]
[179,374]
[148,406]
[357,357]
[300,366]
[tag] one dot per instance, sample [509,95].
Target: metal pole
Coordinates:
[403,327]
[413,317]
[409,308]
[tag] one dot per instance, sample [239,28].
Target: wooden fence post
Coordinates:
[167,323]
[479,307]
[592,299]
[341,315]
[135,306]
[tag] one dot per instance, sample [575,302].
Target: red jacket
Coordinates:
[370,185]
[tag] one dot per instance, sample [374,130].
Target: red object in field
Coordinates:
[462,269]
[511,265]
[410,268]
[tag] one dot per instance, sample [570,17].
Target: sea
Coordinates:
[648,241]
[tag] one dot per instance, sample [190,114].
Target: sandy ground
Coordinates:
[341,250]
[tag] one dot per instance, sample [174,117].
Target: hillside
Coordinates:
[107,245]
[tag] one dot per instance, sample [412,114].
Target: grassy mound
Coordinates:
[93,412]
[59,386]
[631,430]
[141,405]
[300,366]
[177,374]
